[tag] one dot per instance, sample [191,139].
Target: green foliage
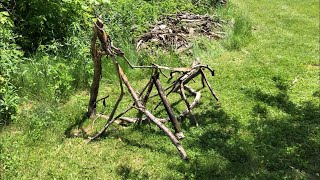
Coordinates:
[8,102]
[9,59]
[129,18]
[41,21]
[204,4]
[53,74]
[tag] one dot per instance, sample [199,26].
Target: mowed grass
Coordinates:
[266,125]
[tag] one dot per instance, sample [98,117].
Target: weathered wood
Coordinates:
[186,78]
[167,106]
[140,100]
[183,96]
[193,104]
[140,107]
[96,57]
[208,84]
[128,119]
[167,131]
[175,31]
[145,99]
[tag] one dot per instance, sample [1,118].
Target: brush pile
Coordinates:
[174,31]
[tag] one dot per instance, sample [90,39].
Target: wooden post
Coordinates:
[96,57]
[167,106]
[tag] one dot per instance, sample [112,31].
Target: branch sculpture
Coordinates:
[140,100]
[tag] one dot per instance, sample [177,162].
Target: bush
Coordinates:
[53,75]
[203,4]
[9,59]
[41,21]
[8,102]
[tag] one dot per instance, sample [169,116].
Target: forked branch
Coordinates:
[139,101]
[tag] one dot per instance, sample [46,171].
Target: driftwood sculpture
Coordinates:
[178,86]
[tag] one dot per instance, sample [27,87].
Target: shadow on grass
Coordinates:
[77,125]
[289,145]
[270,146]
[218,150]
[144,136]
[127,172]
[284,146]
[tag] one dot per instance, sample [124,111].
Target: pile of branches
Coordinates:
[174,31]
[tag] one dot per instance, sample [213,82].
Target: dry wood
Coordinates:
[183,96]
[96,57]
[139,101]
[192,105]
[145,98]
[110,120]
[174,31]
[208,84]
[167,106]
[141,108]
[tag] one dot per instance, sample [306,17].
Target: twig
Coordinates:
[183,96]
[167,106]
[209,86]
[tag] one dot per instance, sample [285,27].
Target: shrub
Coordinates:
[41,21]
[9,59]
[8,102]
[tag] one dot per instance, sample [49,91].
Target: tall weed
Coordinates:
[240,31]
[52,74]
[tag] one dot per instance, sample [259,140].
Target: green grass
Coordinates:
[266,125]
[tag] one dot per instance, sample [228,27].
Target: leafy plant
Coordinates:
[8,102]
[41,21]
[9,59]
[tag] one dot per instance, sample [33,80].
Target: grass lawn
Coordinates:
[266,125]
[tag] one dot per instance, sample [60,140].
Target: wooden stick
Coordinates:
[155,66]
[140,107]
[94,89]
[193,104]
[128,119]
[172,137]
[167,106]
[186,78]
[145,98]
[208,84]
[132,106]
[183,96]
